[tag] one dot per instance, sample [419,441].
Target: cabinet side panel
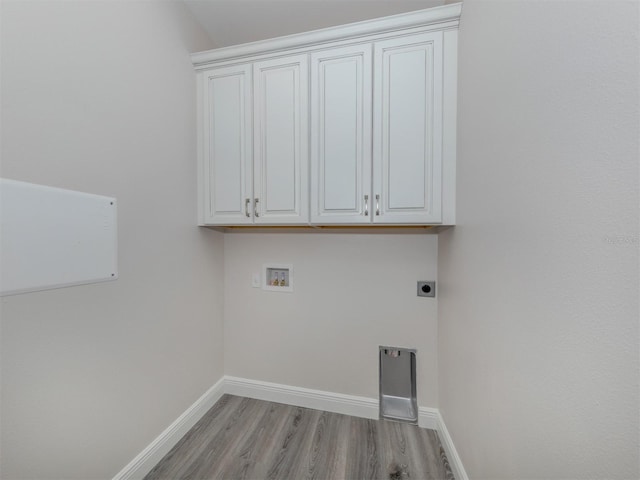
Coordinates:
[449,122]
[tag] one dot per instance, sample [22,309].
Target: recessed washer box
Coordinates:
[277,277]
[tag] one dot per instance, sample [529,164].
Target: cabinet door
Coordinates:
[280,139]
[226,146]
[341,135]
[407,129]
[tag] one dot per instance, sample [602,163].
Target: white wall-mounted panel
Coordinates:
[51,238]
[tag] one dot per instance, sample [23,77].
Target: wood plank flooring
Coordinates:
[242,438]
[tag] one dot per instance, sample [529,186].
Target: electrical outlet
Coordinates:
[255,280]
[426,289]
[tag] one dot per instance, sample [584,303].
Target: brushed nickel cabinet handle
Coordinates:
[255,207]
[246,207]
[377,204]
[366,205]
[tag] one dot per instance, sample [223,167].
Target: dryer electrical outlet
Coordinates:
[426,288]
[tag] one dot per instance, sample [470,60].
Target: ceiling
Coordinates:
[230,22]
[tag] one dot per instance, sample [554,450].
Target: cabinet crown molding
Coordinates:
[446,16]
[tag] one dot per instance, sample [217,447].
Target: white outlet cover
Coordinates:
[255,280]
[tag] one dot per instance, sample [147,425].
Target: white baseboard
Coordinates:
[428,418]
[150,456]
[449,448]
[303,397]
[273,392]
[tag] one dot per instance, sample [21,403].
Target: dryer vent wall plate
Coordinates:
[398,392]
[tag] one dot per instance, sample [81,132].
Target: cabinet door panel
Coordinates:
[408,129]
[227,145]
[341,134]
[281,130]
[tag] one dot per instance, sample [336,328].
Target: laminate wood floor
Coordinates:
[242,438]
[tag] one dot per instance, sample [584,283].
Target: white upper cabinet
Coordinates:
[350,125]
[254,143]
[226,118]
[281,134]
[341,89]
[399,180]
[407,129]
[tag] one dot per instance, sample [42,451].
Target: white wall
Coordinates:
[538,300]
[100,97]
[262,19]
[352,293]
